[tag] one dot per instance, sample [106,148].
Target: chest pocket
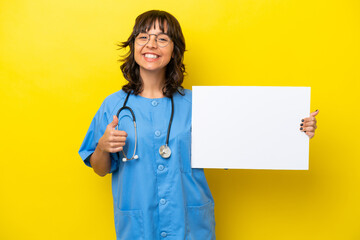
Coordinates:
[184,151]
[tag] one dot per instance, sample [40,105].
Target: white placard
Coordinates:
[249,127]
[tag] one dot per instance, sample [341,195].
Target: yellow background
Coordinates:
[58,61]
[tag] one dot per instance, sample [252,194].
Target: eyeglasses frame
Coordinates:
[156,37]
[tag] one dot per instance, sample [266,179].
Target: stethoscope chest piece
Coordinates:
[165,151]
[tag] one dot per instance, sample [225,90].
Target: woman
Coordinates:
[156,193]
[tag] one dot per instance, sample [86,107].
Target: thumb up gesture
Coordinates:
[113,140]
[308,125]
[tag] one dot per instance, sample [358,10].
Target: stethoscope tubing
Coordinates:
[170,122]
[134,156]
[135,129]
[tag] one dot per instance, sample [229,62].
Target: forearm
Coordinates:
[100,161]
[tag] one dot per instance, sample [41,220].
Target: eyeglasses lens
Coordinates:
[162,40]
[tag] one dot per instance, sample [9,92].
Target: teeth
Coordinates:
[150,56]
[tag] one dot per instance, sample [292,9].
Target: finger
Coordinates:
[116,144]
[308,129]
[115,150]
[114,122]
[313,114]
[117,139]
[119,133]
[308,119]
[308,124]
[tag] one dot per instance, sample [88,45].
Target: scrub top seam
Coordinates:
[113,112]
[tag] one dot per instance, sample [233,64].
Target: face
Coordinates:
[151,57]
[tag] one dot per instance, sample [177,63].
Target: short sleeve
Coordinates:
[96,130]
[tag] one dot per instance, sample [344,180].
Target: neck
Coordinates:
[153,83]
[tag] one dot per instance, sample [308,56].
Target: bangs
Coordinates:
[148,20]
[151,23]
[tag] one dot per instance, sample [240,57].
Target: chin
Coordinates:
[151,69]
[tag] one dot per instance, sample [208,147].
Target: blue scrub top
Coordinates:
[154,198]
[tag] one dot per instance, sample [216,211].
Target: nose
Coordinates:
[152,41]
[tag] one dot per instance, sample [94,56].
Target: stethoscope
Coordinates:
[164,150]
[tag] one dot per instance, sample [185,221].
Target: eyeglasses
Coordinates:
[161,39]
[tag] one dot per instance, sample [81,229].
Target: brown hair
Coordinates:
[175,69]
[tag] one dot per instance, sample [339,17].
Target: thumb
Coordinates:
[313,114]
[114,122]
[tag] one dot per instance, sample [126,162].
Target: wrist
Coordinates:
[100,148]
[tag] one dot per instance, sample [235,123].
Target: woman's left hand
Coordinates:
[308,125]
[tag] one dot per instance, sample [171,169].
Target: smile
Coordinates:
[153,56]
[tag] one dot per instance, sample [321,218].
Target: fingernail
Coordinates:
[301,124]
[301,128]
[302,120]
[317,110]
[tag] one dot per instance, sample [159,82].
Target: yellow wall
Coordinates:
[58,61]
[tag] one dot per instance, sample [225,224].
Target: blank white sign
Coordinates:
[249,127]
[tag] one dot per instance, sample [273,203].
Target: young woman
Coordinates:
[156,193]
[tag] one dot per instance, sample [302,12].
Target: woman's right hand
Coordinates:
[113,140]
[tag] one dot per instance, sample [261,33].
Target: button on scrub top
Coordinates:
[154,198]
